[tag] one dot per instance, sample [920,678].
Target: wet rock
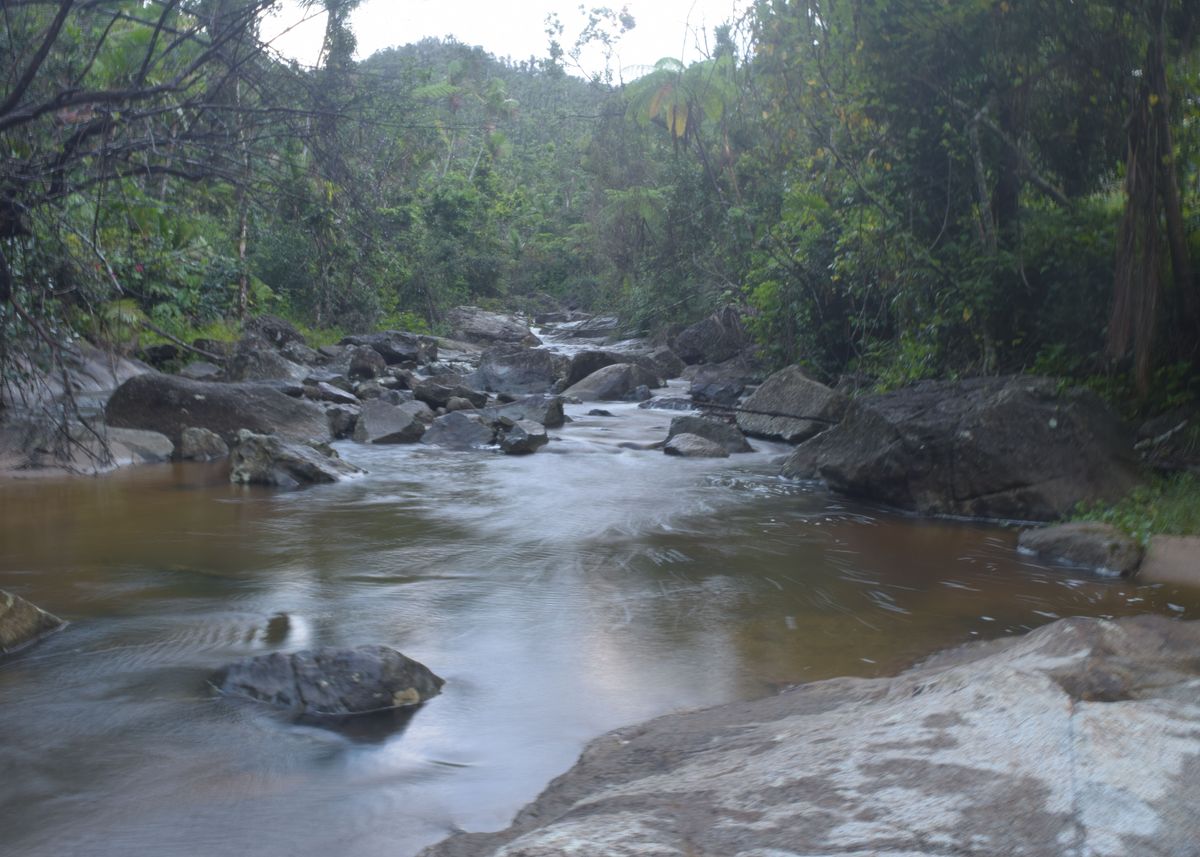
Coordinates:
[456,403]
[547,410]
[791,407]
[668,403]
[694,446]
[398,346]
[721,433]
[474,325]
[260,459]
[22,623]
[523,437]
[168,404]
[584,363]
[201,370]
[343,420]
[331,682]
[666,363]
[324,392]
[612,383]
[365,363]
[300,353]
[135,446]
[381,422]
[200,444]
[254,359]
[987,447]
[600,412]
[508,369]
[1088,543]
[720,383]
[640,393]
[460,430]
[437,393]
[596,327]
[715,339]
[1079,738]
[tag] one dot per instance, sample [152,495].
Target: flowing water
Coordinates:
[560,595]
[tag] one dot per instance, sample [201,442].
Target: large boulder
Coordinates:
[473,324]
[791,407]
[397,346]
[277,331]
[382,422]
[331,682]
[263,459]
[518,370]
[723,434]
[720,383]
[200,444]
[169,404]
[22,623]
[460,430]
[612,383]
[547,410]
[438,391]
[665,363]
[254,359]
[584,363]
[1087,543]
[365,363]
[715,339]
[1081,738]
[1015,448]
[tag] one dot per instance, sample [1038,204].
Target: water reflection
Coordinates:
[560,595]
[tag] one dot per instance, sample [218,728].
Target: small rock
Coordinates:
[599,412]
[365,363]
[267,460]
[523,437]
[1088,543]
[383,422]
[724,434]
[21,623]
[323,392]
[460,430]
[201,370]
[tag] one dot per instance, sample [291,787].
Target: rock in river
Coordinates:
[1088,543]
[791,407]
[266,460]
[21,623]
[688,445]
[331,682]
[612,383]
[715,431]
[1081,738]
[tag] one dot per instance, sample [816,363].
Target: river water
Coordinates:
[560,595]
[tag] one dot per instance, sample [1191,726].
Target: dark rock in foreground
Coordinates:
[1088,543]
[332,682]
[169,404]
[21,623]
[1082,738]
[987,447]
[261,459]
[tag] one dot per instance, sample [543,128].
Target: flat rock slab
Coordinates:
[22,623]
[1081,738]
[1172,559]
[1088,543]
[331,682]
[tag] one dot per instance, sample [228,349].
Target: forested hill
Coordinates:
[896,190]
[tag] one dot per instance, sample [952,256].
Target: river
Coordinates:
[560,595]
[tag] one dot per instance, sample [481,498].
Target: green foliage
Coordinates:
[1168,506]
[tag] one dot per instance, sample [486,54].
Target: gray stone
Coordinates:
[331,682]
[365,363]
[22,623]
[382,422]
[1088,543]
[460,430]
[720,383]
[201,370]
[254,359]
[721,433]
[611,383]
[791,407]
[267,460]
[668,403]
[300,353]
[1016,448]
[666,362]
[398,346]
[474,325]
[523,437]
[200,444]
[694,446]
[438,391]
[136,446]
[343,420]
[274,330]
[325,392]
[1081,738]
[517,370]
[584,363]
[715,339]
[168,404]
[547,410]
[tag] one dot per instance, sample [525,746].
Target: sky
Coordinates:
[514,28]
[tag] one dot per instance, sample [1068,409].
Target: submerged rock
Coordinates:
[331,682]
[22,623]
[267,460]
[1088,543]
[1081,738]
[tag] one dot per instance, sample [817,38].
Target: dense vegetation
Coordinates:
[900,190]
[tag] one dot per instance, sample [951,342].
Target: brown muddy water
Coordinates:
[561,595]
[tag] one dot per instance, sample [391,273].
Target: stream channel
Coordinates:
[560,595]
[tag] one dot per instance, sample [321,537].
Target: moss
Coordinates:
[1168,505]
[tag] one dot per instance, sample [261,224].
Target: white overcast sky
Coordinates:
[514,28]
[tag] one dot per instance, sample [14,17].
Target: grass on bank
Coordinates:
[1168,505]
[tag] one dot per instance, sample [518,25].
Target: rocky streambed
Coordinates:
[585,580]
